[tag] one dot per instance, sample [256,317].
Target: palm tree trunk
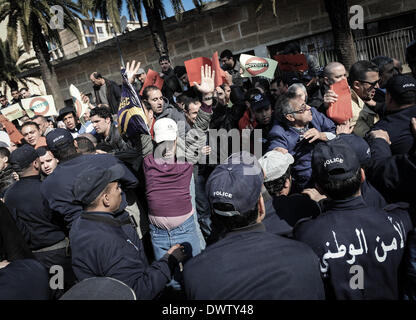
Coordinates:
[47,69]
[12,84]
[343,40]
[156,28]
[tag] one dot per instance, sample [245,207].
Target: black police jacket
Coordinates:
[57,187]
[103,246]
[253,264]
[12,244]
[398,125]
[360,248]
[393,176]
[34,220]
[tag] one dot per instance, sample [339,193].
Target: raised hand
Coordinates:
[207,80]
[380,134]
[84,98]
[229,78]
[131,70]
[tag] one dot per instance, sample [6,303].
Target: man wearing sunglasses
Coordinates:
[364,80]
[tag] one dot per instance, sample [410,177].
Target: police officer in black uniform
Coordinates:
[360,247]
[39,227]
[401,107]
[248,263]
[57,187]
[104,246]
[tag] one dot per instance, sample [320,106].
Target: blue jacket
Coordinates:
[351,234]
[34,220]
[103,246]
[288,138]
[251,264]
[398,127]
[57,187]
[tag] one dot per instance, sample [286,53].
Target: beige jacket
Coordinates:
[363,118]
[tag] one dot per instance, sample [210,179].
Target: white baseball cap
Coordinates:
[165,129]
[4,137]
[275,164]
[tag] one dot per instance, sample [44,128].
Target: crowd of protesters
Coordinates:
[298,206]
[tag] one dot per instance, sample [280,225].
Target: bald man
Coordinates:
[333,73]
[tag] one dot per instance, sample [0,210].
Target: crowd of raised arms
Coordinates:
[255,188]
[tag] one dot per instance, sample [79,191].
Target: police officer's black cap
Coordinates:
[334,160]
[63,112]
[237,183]
[59,139]
[100,288]
[259,101]
[93,180]
[290,77]
[400,84]
[22,157]
[41,151]
[359,145]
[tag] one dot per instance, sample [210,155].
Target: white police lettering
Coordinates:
[334,160]
[58,138]
[407,85]
[223,194]
[380,248]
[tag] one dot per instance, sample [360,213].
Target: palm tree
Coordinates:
[11,67]
[154,9]
[31,18]
[338,13]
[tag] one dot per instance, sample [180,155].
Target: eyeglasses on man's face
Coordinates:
[372,84]
[303,108]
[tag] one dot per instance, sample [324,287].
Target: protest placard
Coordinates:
[13,112]
[40,105]
[193,69]
[292,62]
[152,79]
[80,107]
[341,110]
[257,66]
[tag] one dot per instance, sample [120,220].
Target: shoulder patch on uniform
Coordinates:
[397,205]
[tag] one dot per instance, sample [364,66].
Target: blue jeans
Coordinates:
[163,240]
[192,189]
[202,206]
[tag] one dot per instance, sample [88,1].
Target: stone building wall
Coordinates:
[222,25]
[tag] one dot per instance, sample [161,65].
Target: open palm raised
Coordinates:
[207,80]
[131,70]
